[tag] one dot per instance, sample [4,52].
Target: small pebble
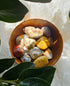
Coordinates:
[35,52]
[26,58]
[28,29]
[18,51]
[22,43]
[36,33]
[41,61]
[33,32]
[43,42]
[48,54]
[19,38]
[30,43]
[46,31]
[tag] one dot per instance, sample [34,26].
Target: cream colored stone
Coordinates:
[29,43]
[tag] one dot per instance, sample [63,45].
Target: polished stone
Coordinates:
[43,42]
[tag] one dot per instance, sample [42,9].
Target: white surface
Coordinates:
[57,13]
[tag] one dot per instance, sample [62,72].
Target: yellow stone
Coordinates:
[41,61]
[43,43]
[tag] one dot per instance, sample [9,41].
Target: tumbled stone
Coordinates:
[41,61]
[35,33]
[19,38]
[46,31]
[43,42]
[29,43]
[35,52]
[26,58]
[48,53]
[28,29]
[18,51]
[22,43]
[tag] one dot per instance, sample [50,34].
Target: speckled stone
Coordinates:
[35,52]
[29,43]
[33,32]
[19,39]
[26,58]
[48,53]
[28,29]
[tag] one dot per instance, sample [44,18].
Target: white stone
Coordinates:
[28,42]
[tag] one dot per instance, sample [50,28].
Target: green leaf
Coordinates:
[5,64]
[13,82]
[14,72]
[46,73]
[33,81]
[3,84]
[69,14]
[42,1]
[12,10]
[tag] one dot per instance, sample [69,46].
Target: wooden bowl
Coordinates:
[56,48]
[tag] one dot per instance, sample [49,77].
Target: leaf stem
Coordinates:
[14,82]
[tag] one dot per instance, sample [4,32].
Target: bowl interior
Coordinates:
[56,48]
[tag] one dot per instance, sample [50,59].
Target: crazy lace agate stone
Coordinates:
[43,42]
[48,53]
[33,32]
[19,39]
[29,43]
[18,51]
[28,29]
[41,61]
[26,58]
[35,52]
[46,31]
[36,33]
